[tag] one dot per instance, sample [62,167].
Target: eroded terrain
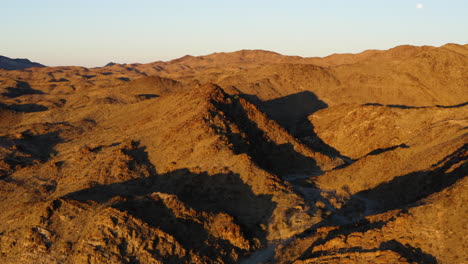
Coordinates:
[244,157]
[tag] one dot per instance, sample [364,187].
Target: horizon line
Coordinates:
[240,50]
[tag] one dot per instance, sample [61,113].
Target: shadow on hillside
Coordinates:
[453,106]
[31,148]
[59,80]
[25,108]
[139,157]
[21,88]
[417,107]
[219,193]
[190,233]
[280,159]
[125,79]
[372,153]
[360,226]
[292,112]
[88,76]
[148,96]
[403,191]
[407,251]
[383,150]
[410,253]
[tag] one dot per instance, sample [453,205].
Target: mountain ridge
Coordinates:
[17,64]
[247,157]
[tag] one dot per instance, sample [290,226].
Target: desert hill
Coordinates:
[17,64]
[242,157]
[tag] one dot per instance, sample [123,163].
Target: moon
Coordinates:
[420,6]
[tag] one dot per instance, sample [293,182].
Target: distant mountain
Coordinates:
[110,64]
[17,64]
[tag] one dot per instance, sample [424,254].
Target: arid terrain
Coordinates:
[243,157]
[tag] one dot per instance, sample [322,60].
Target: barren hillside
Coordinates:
[243,157]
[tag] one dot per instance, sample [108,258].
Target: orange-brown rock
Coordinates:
[243,157]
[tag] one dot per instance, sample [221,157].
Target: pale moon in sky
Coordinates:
[420,6]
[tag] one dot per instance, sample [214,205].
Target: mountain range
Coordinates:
[242,157]
[17,64]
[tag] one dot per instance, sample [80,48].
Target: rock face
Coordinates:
[244,157]
[17,64]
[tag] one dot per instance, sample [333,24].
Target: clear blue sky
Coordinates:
[94,32]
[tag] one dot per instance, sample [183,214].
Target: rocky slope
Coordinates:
[244,157]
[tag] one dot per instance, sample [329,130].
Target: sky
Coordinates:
[94,32]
